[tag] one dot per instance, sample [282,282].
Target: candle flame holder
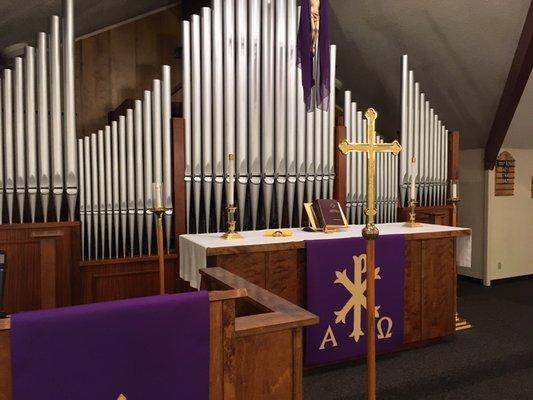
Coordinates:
[232,233]
[412,216]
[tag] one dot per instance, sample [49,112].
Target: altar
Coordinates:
[279,264]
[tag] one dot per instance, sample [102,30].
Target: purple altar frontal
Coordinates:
[336,292]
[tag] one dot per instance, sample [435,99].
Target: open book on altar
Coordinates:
[325,215]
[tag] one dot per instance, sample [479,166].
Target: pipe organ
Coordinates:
[242,95]
[38,127]
[425,139]
[118,165]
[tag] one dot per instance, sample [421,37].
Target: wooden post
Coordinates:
[161,252]
[339,187]
[370,317]
[453,167]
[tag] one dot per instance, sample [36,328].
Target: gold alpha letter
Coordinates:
[329,337]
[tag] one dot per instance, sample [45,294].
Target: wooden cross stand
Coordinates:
[370,233]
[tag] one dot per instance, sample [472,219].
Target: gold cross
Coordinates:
[371,148]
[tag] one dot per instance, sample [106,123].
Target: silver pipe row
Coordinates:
[242,95]
[424,139]
[38,126]
[118,165]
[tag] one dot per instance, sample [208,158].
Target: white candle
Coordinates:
[157,195]
[231,180]
[454,190]
[413,178]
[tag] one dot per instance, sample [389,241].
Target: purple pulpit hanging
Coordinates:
[146,348]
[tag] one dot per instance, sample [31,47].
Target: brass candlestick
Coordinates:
[412,216]
[231,233]
[159,212]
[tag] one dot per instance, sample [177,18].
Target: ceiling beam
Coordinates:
[512,92]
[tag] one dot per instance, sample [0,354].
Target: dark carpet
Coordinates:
[494,360]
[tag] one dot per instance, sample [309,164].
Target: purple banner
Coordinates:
[336,292]
[146,348]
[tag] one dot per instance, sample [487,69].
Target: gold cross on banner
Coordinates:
[371,148]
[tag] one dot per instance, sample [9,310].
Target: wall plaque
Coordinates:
[505,173]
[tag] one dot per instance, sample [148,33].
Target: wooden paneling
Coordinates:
[120,63]
[282,273]
[438,288]
[430,278]
[413,292]
[453,155]
[5,359]
[123,278]
[259,374]
[42,263]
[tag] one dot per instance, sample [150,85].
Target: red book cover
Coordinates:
[329,213]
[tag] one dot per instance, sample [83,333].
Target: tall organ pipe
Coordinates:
[292,94]
[196,116]
[139,172]
[207,134]
[166,115]
[148,167]
[186,72]
[42,110]
[31,140]
[130,162]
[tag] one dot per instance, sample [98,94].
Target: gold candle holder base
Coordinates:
[461,324]
[412,216]
[231,233]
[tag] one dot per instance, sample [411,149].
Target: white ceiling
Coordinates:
[461,52]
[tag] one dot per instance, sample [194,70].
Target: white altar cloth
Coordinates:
[193,247]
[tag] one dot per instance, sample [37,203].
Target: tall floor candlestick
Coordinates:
[159,210]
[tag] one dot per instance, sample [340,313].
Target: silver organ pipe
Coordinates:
[20,160]
[139,172]
[166,115]
[148,167]
[332,79]
[348,124]
[241,156]
[300,142]
[410,125]
[267,104]
[9,156]
[31,139]
[196,116]
[186,73]
[116,185]
[42,110]
[404,126]
[108,188]
[359,169]
[352,183]
[130,162]
[425,161]
[218,111]
[292,97]
[310,155]
[421,146]
[123,190]
[71,173]
[81,170]
[318,152]
[416,134]
[88,192]
[55,115]
[95,192]
[207,134]
[101,189]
